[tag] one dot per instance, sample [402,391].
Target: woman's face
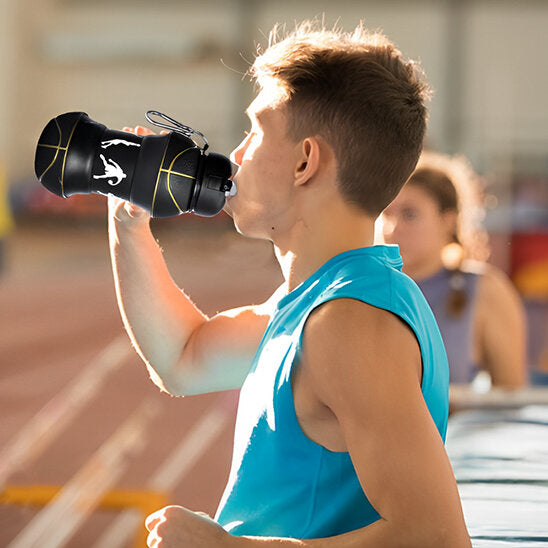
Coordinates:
[414,222]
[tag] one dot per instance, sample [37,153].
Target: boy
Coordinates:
[343,375]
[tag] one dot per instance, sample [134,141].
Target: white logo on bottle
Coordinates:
[106,144]
[113,172]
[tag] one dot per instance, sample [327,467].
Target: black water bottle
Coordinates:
[165,174]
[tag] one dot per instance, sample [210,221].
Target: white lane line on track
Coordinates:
[41,378]
[199,438]
[55,524]
[60,411]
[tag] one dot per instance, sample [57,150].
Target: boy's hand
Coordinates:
[175,527]
[121,211]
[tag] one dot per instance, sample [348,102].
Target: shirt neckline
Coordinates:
[388,253]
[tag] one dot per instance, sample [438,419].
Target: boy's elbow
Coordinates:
[158,381]
[167,382]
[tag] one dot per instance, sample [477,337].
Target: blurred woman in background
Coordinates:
[435,220]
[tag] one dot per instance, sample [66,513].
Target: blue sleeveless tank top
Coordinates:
[457,332]
[282,483]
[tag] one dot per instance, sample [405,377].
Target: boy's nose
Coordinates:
[236,155]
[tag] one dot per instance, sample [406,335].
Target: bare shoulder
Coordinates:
[495,289]
[351,317]
[348,344]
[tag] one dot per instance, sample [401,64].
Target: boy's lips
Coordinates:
[233,189]
[235,168]
[232,192]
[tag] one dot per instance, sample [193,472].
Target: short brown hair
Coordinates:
[357,92]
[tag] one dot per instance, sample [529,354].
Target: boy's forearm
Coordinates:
[157,315]
[380,533]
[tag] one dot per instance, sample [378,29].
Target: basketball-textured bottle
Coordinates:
[165,174]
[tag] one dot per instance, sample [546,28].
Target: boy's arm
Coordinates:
[364,364]
[185,351]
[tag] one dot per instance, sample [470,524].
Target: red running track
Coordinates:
[59,314]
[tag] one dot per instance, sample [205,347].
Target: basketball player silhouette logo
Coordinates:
[113,172]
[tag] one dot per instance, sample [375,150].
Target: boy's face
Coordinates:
[267,157]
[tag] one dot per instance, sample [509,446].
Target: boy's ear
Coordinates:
[308,160]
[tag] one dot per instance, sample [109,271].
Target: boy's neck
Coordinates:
[312,243]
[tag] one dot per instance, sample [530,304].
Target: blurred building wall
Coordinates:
[115,59]
[6,72]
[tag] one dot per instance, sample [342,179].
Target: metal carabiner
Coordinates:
[177,127]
